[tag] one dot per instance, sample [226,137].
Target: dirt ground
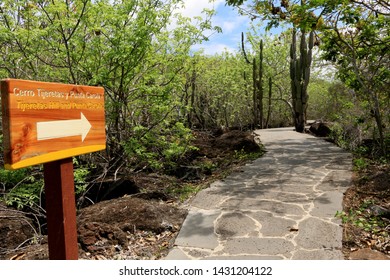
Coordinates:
[142,213]
[367,213]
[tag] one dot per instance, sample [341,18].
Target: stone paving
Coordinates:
[281,206]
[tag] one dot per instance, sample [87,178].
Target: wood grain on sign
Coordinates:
[43,122]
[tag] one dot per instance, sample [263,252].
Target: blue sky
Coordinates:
[231,22]
[227,18]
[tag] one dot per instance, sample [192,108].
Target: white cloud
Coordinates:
[214,48]
[195,7]
[231,23]
[228,26]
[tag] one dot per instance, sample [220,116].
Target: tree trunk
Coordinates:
[379,123]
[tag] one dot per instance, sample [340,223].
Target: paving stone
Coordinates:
[318,255]
[198,230]
[327,204]
[272,226]
[281,186]
[234,225]
[197,254]
[261,246]
[176,254]
[314,233]
[273,206]
[336,180]
[260,194]
[210,198]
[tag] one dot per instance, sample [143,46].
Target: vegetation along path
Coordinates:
[281,206]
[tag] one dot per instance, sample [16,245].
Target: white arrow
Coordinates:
[59,129]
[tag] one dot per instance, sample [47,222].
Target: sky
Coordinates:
[227,18]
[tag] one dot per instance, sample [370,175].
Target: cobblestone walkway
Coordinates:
[281,206]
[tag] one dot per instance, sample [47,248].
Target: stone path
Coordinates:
[281,206]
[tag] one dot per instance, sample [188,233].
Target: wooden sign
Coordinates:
[44,122]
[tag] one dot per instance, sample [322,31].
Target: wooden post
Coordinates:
[61,209]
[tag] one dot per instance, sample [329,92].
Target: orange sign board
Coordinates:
[44,122]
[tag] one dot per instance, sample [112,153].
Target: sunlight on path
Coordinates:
[281,206]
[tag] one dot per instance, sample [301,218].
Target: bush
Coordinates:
[22,188]
[159,148]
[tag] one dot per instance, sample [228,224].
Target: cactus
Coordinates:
[300,76]
[260,87]
[255,97]
[257,74]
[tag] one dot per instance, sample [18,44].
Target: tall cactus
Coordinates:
[300,76]
[257,74]
[255,96]
[260,87]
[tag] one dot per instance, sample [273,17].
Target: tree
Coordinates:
[358,41]
[301,16]
[128,47]
[219,90]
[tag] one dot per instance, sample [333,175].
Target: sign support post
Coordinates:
[61,209]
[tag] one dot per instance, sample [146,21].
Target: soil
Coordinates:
[367,206]
[139,215]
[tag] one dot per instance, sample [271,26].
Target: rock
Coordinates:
[91,233]
[377,210]
[320,129]
[368,254]
[107,223]
[129,212]
[237,140]
[15,228]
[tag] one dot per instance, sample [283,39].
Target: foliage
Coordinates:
[241,155]
[362,218]
[218,92]
[137,50]
[300,15]
[81,174]
[185,191]
[24,188]
[220,88]
[360,163]
[276,54]
[358,43]
[354,34]
[158,151]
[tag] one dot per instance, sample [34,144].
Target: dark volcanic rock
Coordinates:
[321,129]
[237,140]
[15,228]
[91,233]
[107,222]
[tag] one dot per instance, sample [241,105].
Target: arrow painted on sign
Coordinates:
[66,128]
